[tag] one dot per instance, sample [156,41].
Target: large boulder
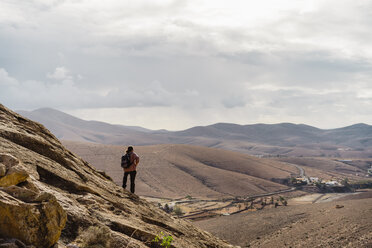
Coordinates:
[36,223]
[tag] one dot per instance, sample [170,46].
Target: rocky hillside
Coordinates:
[51,198]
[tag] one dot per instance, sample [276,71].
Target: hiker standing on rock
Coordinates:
[129,163]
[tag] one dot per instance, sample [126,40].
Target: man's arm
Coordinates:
[136,160]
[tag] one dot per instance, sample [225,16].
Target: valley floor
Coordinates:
[196,208]
[342,222]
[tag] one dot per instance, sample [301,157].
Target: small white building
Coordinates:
[302,179]
[332,183]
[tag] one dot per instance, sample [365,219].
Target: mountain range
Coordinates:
[285,139]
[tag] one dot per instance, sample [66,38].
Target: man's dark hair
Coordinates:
[130,149]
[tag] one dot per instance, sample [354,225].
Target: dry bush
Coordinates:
[177,210]
[94,237]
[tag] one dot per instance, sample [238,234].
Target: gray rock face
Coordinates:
[52,183]
[9,160]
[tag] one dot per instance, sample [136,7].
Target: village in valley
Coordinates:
[303,190]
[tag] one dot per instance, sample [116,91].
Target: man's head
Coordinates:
[130,149]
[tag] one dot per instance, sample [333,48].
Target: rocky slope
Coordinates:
[48,195]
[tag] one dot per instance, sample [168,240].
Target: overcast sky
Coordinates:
[177,64]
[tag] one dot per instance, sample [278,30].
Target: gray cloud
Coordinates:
[188,55]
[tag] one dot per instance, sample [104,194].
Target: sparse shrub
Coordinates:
[345,182]
[283,200]
[293,180]
[166,208]
[177,210]
[94,237]
[252,204]
[188,197]
[162,240]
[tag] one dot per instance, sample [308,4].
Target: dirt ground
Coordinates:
[200,208]
[341,223]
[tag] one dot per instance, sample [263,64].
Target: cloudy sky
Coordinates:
[176,64]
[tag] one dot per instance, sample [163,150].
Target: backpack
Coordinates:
[125,161]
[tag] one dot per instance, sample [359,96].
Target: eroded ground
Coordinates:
[342,222]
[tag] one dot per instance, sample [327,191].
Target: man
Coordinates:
[133,161]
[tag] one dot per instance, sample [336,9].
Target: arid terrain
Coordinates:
[51,198]
[341,223]
[174,171]
[328,168]
[213,198]
[240,198]
[209,172]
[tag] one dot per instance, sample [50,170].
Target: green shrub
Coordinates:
[189,197]
[162,240]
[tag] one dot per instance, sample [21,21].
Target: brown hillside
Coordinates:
[310,225]
[42,183]
[259,139]
[328,168]
[179,170]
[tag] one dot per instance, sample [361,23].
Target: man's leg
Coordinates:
[132,178]
[125,178]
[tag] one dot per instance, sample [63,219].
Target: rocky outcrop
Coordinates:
[26,213]
[42,183]
[11,172]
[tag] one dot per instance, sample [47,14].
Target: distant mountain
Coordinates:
[258,139]
[275,134]
[68,127]
[286,134]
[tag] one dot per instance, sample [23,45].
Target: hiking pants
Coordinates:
[132,178]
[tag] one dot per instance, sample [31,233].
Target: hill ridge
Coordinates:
[41,172]
[256,139]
